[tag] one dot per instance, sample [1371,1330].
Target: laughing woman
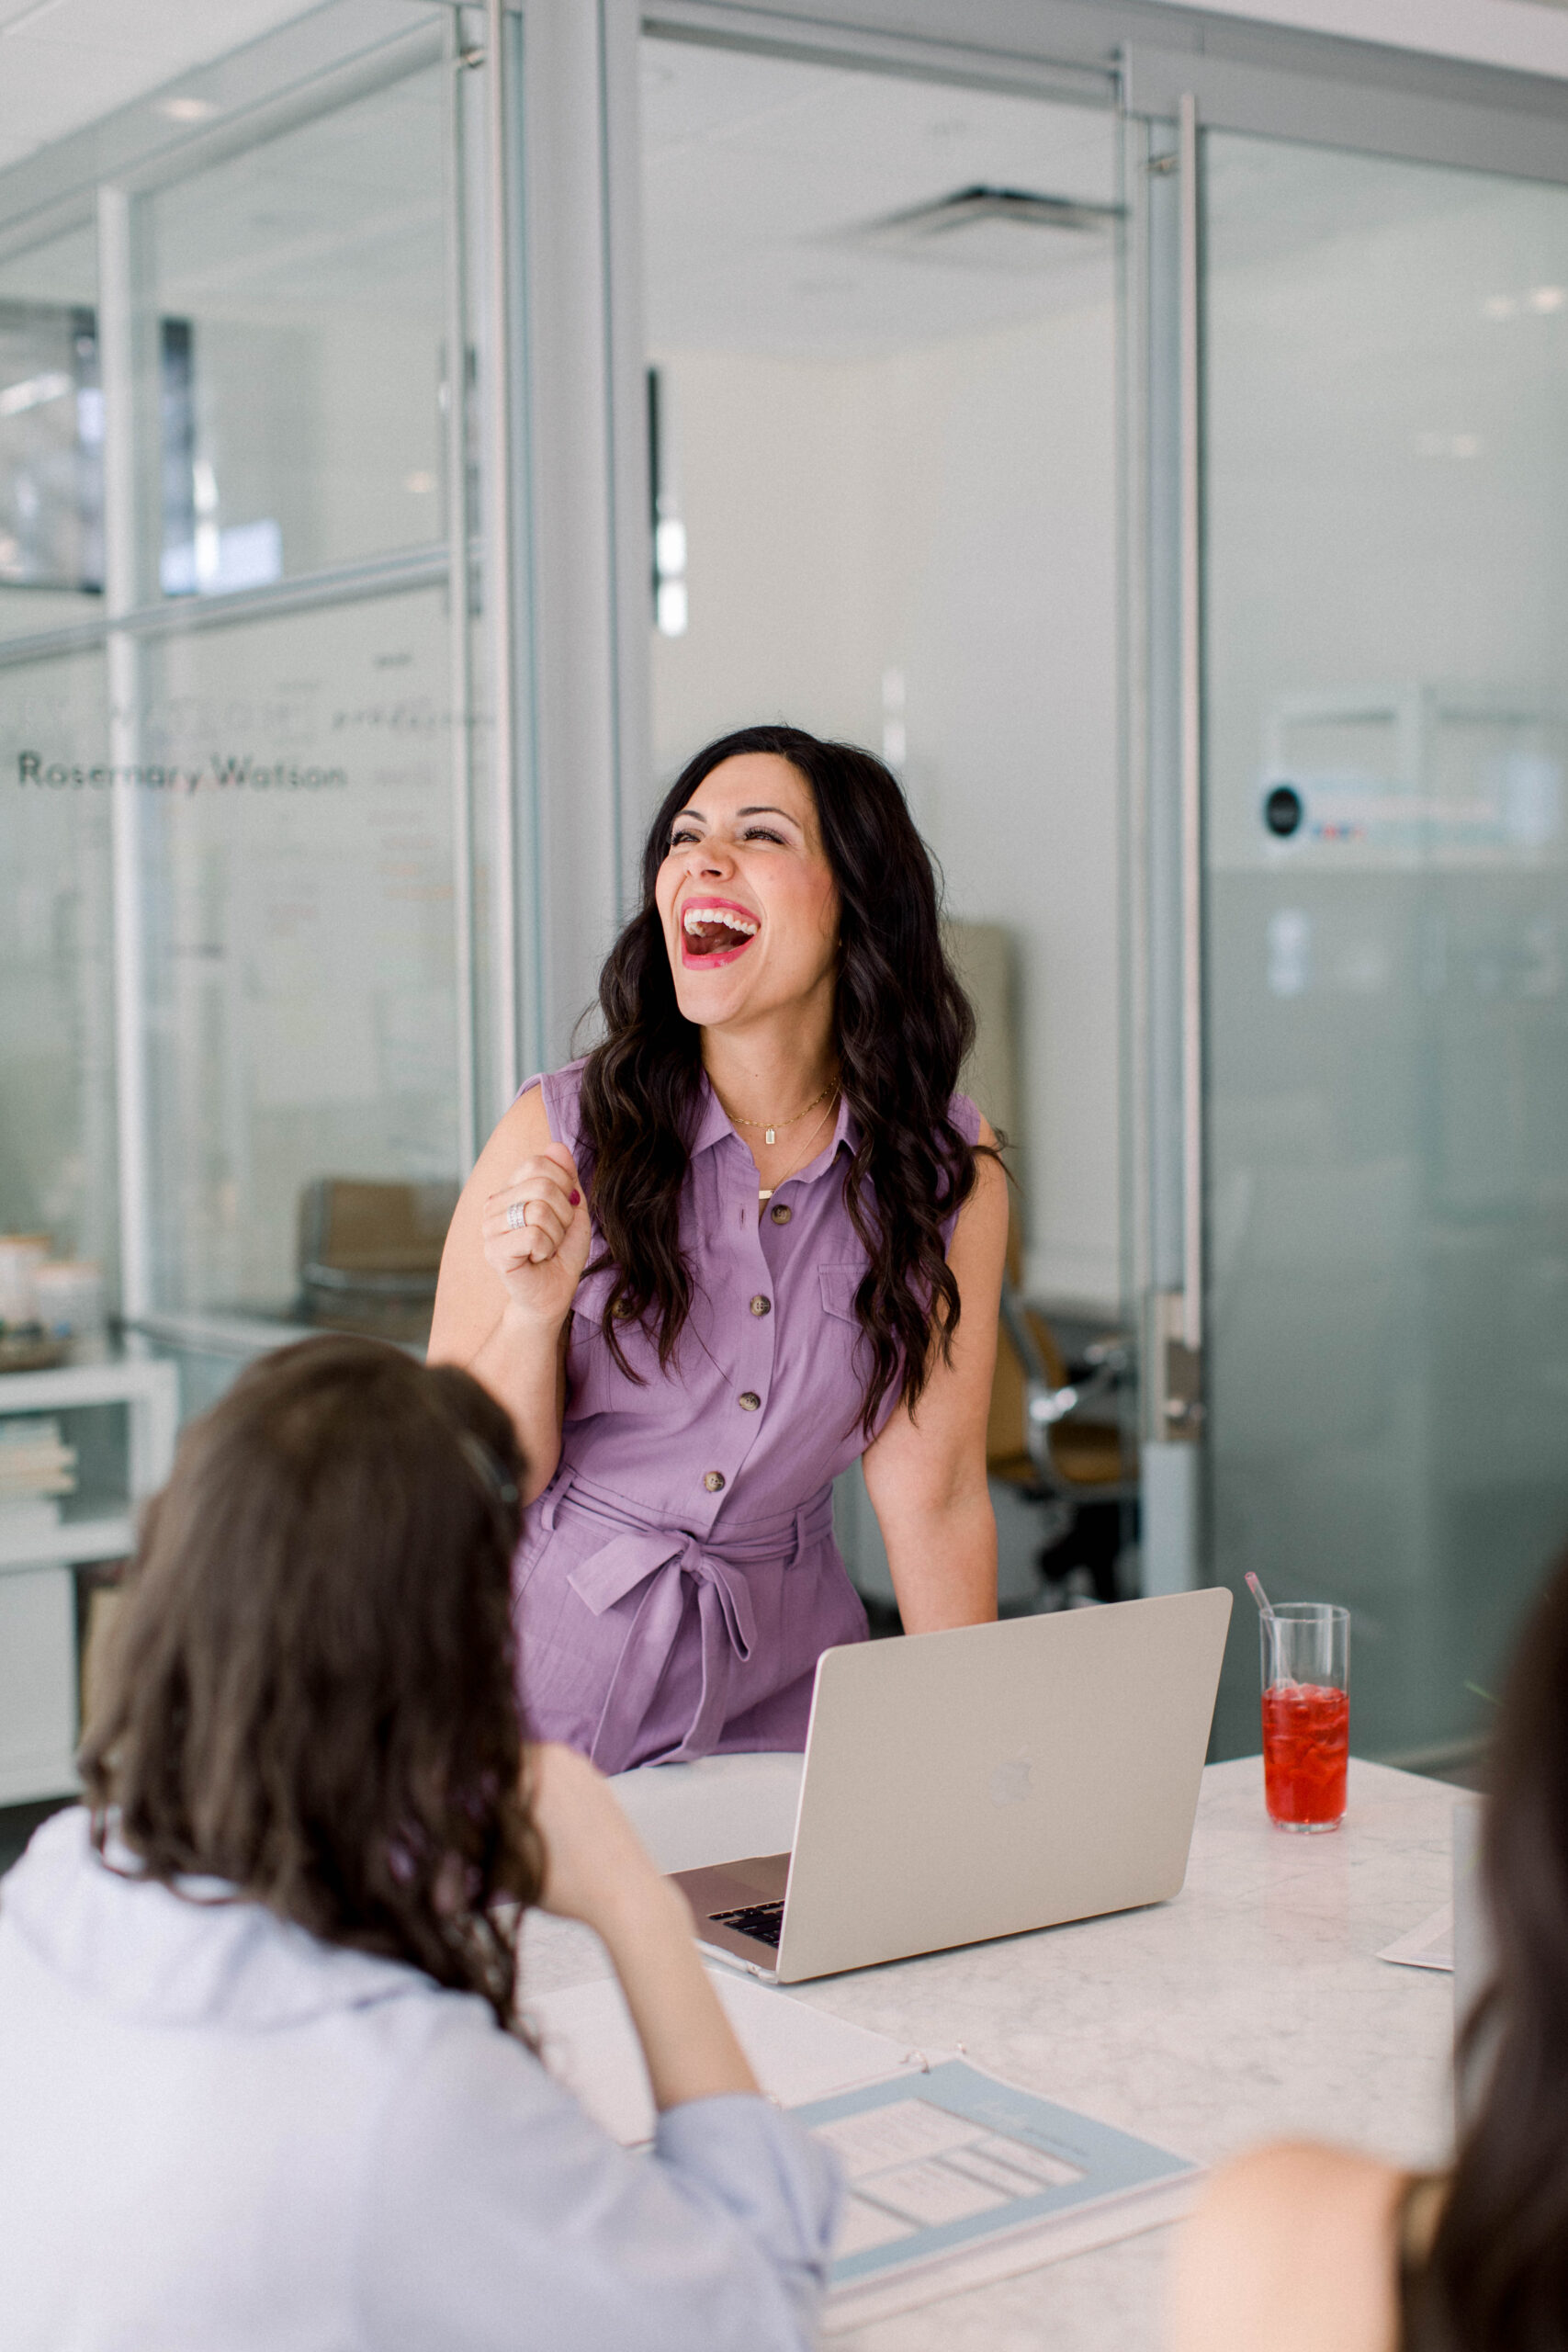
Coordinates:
[755,1234]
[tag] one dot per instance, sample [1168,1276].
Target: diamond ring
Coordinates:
[517,1215]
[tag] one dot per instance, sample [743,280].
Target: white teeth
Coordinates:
[699,918]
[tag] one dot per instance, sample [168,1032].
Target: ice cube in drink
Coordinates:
[1306,1749]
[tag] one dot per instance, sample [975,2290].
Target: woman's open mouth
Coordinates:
[714,932]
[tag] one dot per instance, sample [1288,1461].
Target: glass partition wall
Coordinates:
[860,386]
[257,821]
[1387,348]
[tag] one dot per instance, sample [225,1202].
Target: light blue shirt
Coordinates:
[219,2132]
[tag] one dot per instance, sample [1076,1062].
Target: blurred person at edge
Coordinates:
[262,2079]
[755,1234]
[1314,2249]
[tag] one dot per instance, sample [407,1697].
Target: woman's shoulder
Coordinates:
[1238,2280]
[560,1096]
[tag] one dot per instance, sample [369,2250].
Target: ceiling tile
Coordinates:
[65,64]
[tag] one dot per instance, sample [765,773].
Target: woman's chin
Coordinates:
[713,996]
[705,1002]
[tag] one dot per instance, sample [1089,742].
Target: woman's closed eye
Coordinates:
[685,834]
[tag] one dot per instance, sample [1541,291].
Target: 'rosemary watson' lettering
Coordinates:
[226,772]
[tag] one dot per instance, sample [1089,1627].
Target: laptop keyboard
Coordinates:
[763,1922]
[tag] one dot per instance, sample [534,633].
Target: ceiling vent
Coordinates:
[990,228]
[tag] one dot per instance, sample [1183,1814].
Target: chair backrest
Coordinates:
[1007,1428]
[354,1234]
[369,1255]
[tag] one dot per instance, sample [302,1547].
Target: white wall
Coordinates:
[948,512]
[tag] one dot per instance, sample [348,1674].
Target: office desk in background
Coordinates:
[1252,2006]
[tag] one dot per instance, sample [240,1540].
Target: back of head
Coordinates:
[311,1692]
[1499,2272]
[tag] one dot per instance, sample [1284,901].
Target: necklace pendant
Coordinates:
[763,1198]
[769,1135]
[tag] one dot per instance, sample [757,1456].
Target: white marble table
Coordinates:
[1252,2006]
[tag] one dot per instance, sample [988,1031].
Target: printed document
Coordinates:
[952,2177]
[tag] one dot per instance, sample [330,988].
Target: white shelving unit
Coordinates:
[39,1670]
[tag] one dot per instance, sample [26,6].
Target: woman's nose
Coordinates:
[711,857]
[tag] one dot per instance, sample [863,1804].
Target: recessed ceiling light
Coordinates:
[186,109]
[1546,298]
[1499,306]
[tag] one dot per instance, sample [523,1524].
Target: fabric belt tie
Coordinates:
[663,1559]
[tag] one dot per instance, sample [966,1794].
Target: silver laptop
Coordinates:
[981,1783]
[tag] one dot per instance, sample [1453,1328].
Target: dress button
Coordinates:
[750,1401]
[714,1481]
[780,1212]
[760,1305]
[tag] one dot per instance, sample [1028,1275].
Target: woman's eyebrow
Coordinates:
[765,809]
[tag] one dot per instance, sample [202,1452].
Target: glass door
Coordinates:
[1386,728]
[882,316]
[257,927]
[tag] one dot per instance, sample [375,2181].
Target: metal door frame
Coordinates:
[1173,73]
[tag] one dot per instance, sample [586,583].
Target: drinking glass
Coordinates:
[1306,1713]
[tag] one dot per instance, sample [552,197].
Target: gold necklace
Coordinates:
[765,1193]
[770,1127]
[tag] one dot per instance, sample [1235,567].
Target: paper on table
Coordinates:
[954,2178]
[588,2042]
[1431,1945]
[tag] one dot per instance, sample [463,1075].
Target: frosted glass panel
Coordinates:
[292,313]
[51,554]
[300,944]
[1387,351]
[56,982]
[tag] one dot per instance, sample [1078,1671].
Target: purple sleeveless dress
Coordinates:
[677,1578]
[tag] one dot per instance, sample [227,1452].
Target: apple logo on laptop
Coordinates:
[1009,1782]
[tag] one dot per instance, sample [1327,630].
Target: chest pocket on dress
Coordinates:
[592,1374]
[842,1338]
[840,1285]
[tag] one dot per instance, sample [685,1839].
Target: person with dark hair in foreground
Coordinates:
[262,2078]
[755,1234]
[1310,2249]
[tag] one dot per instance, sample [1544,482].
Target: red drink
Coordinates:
[1306,1746]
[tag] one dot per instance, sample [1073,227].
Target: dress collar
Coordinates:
[715,1125]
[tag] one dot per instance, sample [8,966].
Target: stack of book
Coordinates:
[35,1468]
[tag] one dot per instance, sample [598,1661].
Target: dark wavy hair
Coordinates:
[902,1027]
[1498,2278]
[311,1692]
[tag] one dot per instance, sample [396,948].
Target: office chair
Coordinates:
[1046,1438]
[369,1255]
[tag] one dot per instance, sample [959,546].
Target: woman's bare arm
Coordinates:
[506,1294]
[598,1872]
[1291,2249]
[926,1472]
